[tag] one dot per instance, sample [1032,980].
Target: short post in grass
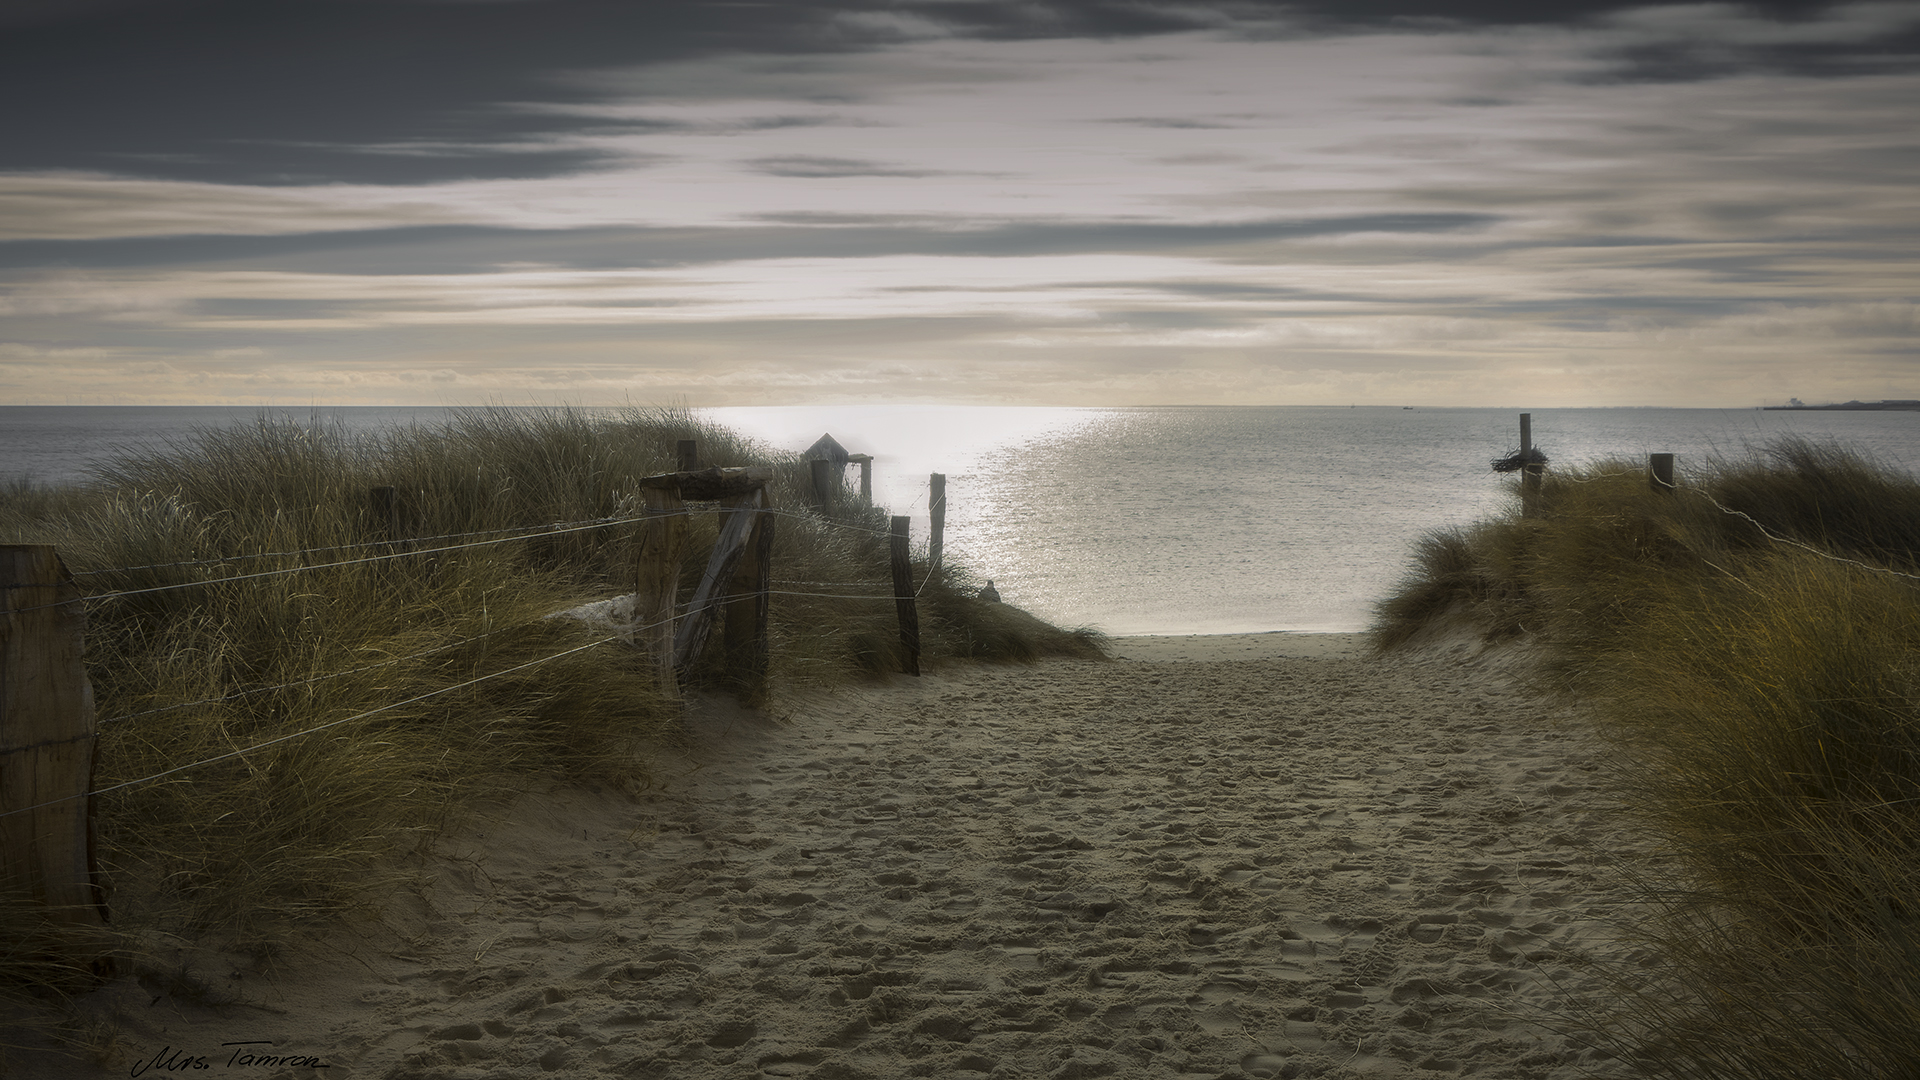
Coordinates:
[903,595]
[47,737]
[937,511]
[1660,472]
[687,452]
[1529,472]
[663,533]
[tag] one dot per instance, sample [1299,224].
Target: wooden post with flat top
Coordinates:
[937,512]
[1660,472]
[47,737]
[1529,473]
[903,595]
[688,453]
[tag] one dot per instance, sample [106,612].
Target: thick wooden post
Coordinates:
[663,533]
[903,595]
[937,510]
[687,451]
[1660,472]
[1529,474]
[47,736]
[826,485]
[749,605]
[691,637]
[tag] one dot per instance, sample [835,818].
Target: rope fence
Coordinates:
[44,822]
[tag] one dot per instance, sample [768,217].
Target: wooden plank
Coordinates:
[47,737]
[710,485]
[663,535]
[903,601]
[698,623]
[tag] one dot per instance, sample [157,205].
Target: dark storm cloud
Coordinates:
[377,91]
[462,249]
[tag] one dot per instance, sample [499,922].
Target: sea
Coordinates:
[1151,520]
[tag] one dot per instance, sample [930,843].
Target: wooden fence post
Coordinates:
[749,604]
[687,451]
[663,533]
[937,511]
[691,638]
[47,737]
[1660,472]
[865,461]
[1529,474]
[903,595]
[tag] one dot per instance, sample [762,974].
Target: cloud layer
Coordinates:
[1068,203]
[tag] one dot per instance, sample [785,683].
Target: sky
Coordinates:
[1039,202]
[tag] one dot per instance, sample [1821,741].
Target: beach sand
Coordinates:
[1241,856]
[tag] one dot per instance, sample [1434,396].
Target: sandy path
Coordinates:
[1299,863]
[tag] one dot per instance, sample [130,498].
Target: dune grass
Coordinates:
[1758,664]
[411,683]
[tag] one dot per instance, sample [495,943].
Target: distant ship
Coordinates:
[1891,405]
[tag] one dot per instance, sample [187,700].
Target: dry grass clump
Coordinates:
[334,710]
[1766,697]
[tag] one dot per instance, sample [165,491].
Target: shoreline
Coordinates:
[1265,645]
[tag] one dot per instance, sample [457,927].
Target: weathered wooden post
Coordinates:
[663,532]
[47,737]
[691,637]
[1660,472]
[903,595]
[937,511]
[1529,473]
[749,605]
[687,451]
[865,461]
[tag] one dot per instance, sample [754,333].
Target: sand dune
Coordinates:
[1261,856]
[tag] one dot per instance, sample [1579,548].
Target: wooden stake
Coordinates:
[903,595]
[937,510]
[1660,472]
[691,638]
[688,453]
[1529,474]
[663,534]
[385,504]
[47,736]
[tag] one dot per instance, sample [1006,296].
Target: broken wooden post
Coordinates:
[691,637]
[663,531]
[903,595]
[937,511]
[47,737]
[687,451]
[1660,472]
